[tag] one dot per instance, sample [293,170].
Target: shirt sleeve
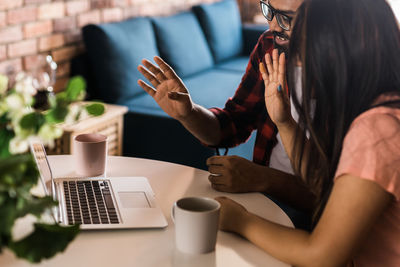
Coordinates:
[242,112]
[371,149]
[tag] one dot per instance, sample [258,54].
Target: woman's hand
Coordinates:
[168,89]
[276,99]
[231,216]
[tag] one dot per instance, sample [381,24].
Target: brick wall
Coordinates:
[250,10]
[29,28]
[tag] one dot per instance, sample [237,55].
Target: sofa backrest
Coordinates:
[222,26]
[114,51]
[189,41]
[182,43]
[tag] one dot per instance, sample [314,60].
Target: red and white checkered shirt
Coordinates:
[246,110]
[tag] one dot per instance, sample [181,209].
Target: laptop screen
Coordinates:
[39,154]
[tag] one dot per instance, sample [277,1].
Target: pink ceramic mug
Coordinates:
[90,153]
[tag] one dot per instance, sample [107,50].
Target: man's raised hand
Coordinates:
[167,88]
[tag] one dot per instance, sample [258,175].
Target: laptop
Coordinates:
[99,202]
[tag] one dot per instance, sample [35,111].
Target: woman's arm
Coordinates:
[352,209]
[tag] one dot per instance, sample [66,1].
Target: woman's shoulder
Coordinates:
[379,116]
[379,121]
[371,148]
[380,125]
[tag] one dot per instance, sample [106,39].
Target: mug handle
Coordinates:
[173,212]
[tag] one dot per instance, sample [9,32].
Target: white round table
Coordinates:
[155,247]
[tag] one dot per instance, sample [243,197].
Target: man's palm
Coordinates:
[168,89]
[174,108]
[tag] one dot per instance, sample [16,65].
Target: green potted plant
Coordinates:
[19,122]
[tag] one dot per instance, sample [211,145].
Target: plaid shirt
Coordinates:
[246,110]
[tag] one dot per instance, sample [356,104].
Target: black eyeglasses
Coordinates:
[269,12]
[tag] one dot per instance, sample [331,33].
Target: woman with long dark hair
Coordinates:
[344,72]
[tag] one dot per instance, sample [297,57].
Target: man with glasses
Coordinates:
[270,172]
[283,19]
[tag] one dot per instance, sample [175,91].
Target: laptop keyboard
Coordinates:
[89,202]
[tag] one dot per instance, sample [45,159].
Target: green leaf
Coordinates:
[28,121]
[8,214]
[57,114]
[4,119]
[5,138]
[35,205]
[18,174]
[95,109]
[75,88]
[45,241]
[62,99]
[32,121]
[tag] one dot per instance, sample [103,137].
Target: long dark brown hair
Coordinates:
[350,55]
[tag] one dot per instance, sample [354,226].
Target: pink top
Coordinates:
[371,151]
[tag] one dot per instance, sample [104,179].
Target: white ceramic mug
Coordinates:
[90,153]
[196,224]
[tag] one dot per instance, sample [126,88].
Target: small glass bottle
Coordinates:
[43,81]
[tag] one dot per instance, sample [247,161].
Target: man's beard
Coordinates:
[280,48]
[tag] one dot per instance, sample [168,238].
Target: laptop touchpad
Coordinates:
[131,200]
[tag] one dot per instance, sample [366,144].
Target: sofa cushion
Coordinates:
[222,26]
[115,50]
[213,88]
[182,43]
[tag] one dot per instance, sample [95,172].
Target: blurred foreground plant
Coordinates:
[20,122]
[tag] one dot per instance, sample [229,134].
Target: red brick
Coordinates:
[112,14]
[119,3]
[22,15]
[3,52]
[92,17]
[39,28]
[135,2]
[51,11]
[9,4]
[64,24]
[73,36]
[11,66]
[34,61]
[153,10]
[51,42]
[95,4]
[131,12]
[61,84]
[10,34]
[65,53]
[22,48]
[27,2]
[63,69]
[3,19]
[77,7]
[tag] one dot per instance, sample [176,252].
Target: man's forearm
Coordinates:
[203,124]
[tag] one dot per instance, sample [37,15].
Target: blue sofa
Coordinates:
[209,49]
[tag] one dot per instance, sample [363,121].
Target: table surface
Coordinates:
[155,247]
